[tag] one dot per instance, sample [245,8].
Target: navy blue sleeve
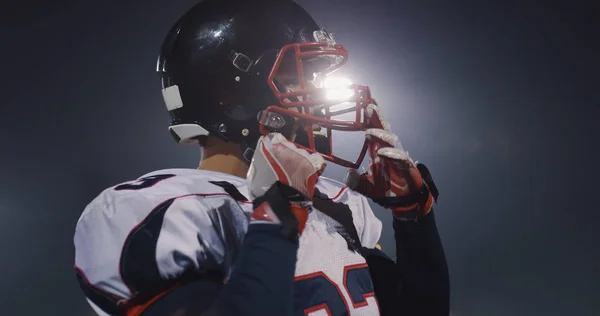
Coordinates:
[417,283]
[421,268]
[386,281]
[262,281]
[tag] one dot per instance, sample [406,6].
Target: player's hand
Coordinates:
[393,180]
[282,179]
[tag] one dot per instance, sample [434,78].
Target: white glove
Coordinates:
[282,182]
[278,159]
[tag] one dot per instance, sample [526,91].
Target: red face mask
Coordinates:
[309,104]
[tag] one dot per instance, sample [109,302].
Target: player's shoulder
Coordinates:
[366,223]
[157,186]
[336,190]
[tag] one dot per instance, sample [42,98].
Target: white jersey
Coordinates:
[148,233]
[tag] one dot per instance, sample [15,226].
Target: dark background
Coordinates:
[498,98]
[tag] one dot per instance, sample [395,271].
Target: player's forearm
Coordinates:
[262,281]
[421,265]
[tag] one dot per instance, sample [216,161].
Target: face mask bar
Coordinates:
[307,121]
[308,99]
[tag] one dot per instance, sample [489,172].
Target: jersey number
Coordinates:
[144,182]
[315,291]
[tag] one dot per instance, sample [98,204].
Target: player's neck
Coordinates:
[225,161]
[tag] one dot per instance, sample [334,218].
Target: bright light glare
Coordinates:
[337,88]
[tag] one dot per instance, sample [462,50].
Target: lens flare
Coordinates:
[337,88]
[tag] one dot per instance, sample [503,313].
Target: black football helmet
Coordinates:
[226,67]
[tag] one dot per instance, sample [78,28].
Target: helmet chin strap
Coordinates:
[247,152]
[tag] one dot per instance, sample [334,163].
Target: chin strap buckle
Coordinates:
[248,153]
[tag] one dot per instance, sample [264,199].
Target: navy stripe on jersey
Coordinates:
[227,220]
[138,266]
[231,190]
[104,300]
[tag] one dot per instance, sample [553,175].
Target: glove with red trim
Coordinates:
[393,180]
[282,179]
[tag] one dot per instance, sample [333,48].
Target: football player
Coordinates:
[255,230]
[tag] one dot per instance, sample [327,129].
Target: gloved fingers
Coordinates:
[361,183]
[285,150]
[375,118]
[401,171]
[397,155]
[382,137]
[291,165]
